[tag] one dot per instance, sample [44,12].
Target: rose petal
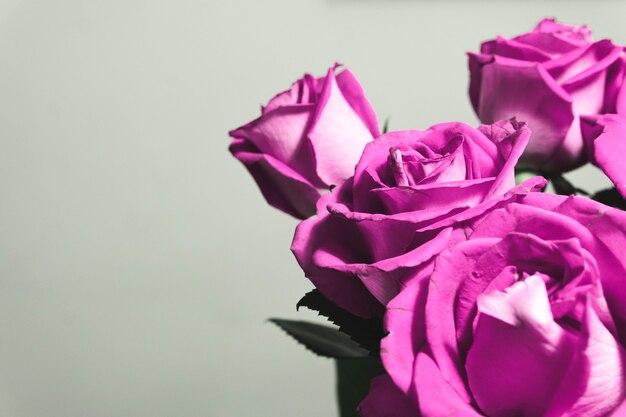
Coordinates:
[606,137]
[281,186]
[279,133]
[410,221]
[526,351]
[511,138]
[436,397]
[473,214]
[451,268]
[355,95]
[594,383]
[313,237]
[620,411]
[583,63]
[435,196]
[524,218]
[385,399]
[520,48]
[384,279]
[303,91]
[615,77]
[549,44]
[404,321]
[578,35]
[475,63]
[337,134]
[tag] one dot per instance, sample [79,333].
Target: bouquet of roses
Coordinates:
[457,284]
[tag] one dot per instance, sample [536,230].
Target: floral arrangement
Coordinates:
[459,286]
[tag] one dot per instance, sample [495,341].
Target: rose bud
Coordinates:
[307,140]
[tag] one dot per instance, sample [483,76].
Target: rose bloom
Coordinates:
[548,78]
[525,318]
[379,230]
[306,140]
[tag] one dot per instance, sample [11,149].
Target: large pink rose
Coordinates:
[548,78]
[527,317]
[378,231]
[306,140]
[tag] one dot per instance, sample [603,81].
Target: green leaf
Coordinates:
[386,125]
[366,332]
[321,340]
[353,382]
[610,197]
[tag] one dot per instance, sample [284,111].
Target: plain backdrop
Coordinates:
[138,261]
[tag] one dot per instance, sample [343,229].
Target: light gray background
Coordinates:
[138,261]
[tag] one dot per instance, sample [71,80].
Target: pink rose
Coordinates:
[379,230]
[527,317]
[306,140]
[548,78]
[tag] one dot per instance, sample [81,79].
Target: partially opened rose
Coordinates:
[378,231]
[548,78]
[306,140]
[525,318]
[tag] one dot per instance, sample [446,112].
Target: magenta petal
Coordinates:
[530,186]
[620,411]
[404,321]
[609,148]
[436,196]
[591,127]
[337,135]
[302,91]
[530,94]
[520,48]
[512,138]
[355,95]
[323,235]
[280,133]
[281,186]
[435,396]
[621,98]
[524,218]
[386,400]
[389,236]
[452,267]
[576,35]
[594,383]
[585,63]
[526,351]
[476,63]
[383,279]
[545,201]
[544,44]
